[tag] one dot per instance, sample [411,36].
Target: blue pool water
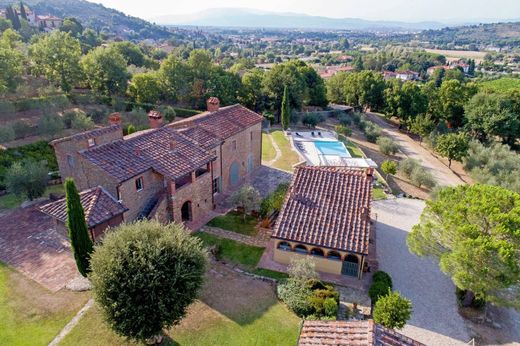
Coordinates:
[332,148]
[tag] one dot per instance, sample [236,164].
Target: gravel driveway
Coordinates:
[435,319]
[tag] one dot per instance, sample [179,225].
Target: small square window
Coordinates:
[91,142]
[234,145]
[139,184]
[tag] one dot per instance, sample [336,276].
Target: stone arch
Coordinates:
[285,246]
[301,249]
[317,252]
[186,211]
[334,255]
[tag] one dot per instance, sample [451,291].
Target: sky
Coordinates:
[400,10]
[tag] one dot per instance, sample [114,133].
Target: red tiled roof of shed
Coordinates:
[99,206]
[351,333]
[224,123]
[327,207]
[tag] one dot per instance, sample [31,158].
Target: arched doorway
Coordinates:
[234,174]
[350,266]
[186,211]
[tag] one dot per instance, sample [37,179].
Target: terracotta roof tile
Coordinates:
[351,333]
[90,134]
[224,123]
[328,207]
[98,204]
[164,150]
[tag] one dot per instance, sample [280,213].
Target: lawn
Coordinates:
[233,309]
[378,194]
[11,201]
[232,251]
[234,222]
[289,156]
[30,314]
[268,152]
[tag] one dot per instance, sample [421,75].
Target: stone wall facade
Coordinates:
[136,201]
[198,193]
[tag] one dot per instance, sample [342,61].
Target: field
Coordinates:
[459,54]
[31,315]
[233,310]
[501,85]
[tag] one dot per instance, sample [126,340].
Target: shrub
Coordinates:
[420,177]
[22,129]
[130,129]
[27,178]
[407,166]
[343,130]
[377,290]
[82,122]
[372,132]
[169,113]
[145,275]
[387,146]
[296,295]
[356,118]
[138,117]
[50,125]
[7,134]
[274,201]
[311,119]
[330,307]
[98,115]
[389,167]
[381,276]
[344,120]
[392,311]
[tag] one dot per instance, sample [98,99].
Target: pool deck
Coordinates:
[304,142]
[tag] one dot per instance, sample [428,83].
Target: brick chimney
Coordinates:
[156,119]
[213,104]
[114,119]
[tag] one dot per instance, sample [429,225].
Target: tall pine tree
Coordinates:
[80,240]
[286,109]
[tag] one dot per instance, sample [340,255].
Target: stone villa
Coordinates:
[326,214]
[171,172]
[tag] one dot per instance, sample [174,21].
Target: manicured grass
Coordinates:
[289,156]
[234,222]
[11,201]
[270,273]
[253,320]
[31,315]
[232,251]
[353,149]
[378,194]
[268,152]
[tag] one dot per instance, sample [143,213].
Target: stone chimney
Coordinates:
[156,119]
[369,172]
[114,119]
[213,104]
[172,145]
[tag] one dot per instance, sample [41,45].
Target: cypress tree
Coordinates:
[286,110]
[13,17]
[23,14]
[78,231]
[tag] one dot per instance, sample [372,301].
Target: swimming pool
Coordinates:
[333,148]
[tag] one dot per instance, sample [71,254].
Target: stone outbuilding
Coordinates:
[326,215]
[101,209]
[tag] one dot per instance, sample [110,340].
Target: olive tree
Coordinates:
[144,277]
[392,310]
[27,178]
[247,198]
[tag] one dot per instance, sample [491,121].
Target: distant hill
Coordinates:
[498,34]
[97,17]
[237,17]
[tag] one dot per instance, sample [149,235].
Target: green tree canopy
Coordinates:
[453,146]
[473,232]
[336,88]
[145,275]
[57,57]
[286,110]
[281,76]
[252,95]
[145,88]
[11,65]
[72,26]
[80,241]
[365,89]
[491,114]
[28,178]
[105,71]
